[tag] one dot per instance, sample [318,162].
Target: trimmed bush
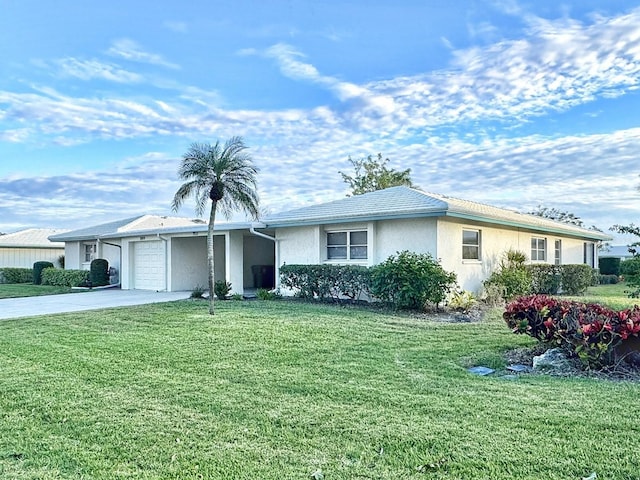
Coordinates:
[410,281]
[607,279]
[16,275]
[65,278]
[99,272]
[326,281]
[576,279]
[609,266]
[545,278]
[38,267]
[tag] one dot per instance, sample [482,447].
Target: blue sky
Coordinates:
[512,103]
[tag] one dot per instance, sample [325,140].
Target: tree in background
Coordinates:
[631,269]
[226,176]
[557,215]
[371,174]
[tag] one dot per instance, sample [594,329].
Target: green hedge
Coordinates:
[65,278]
[326,281]
[609,266]
[545,278]
[16,275]
[38,268]
[575,279]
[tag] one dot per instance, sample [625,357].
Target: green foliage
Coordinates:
[512,276]
[222,289]
[264,294]
[38,267]
[607,279]
[410,280]
[237,297]
[557,215]
[16,275]
[545,278]
[609,266]
[371,174]
[65,278]
[462,301]
[576,279]
[99,272]
[592,332]
[197,292]
[326,281]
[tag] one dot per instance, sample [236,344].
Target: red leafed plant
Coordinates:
[590,331]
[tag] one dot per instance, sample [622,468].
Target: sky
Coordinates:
[516,104]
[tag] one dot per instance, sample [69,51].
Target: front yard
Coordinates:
[14,290]
[285,390]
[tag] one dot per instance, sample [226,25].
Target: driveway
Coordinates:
[76,302]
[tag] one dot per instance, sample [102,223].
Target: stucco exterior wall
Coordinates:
[494,242]
[189,263]
[299,245]
[416,235]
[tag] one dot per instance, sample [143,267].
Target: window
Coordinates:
[471,244]
[558,252]
[589,254]
[89,252]
[538,249]
[347,245]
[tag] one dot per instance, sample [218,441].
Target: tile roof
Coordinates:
[405,202]
[31,238]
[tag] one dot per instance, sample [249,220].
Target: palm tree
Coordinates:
[225,175]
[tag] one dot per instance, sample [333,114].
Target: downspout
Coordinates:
[276,249]
[166,261]
[120,247]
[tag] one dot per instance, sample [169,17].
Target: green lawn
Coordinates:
[283,390]
[13,290]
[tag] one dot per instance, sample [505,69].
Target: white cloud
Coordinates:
[94,69]
[131,51]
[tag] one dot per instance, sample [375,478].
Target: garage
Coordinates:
[149,265]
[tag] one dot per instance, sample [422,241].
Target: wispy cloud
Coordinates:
[95,69]
[176,26]
[131,51]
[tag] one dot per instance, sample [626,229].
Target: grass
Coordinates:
[14,290]
[283,390]
[614,296]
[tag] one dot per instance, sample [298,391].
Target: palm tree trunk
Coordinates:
[210,256]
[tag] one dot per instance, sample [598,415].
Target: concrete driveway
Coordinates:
[76,302]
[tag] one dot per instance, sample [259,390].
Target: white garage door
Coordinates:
[149,265]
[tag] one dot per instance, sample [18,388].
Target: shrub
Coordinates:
[99,272]
[590,331]
[512,275]
[236,297]
[16,275]
[545,278]
[38,267]
[609,266]
[326,281]
[462,301]
[197,292]
[409,280]
[65,278]
[631,271]
[221,289]
[264,294]
[576,279]
[607,279]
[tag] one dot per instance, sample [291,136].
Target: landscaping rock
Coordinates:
[554,361]
[481,370]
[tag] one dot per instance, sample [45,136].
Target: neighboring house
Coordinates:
[170,253]
[22,249]
[616,251]
[467,238]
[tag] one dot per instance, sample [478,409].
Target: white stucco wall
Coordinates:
[299,245]
[494,242]
[17,257]
[189,262]
[415,235]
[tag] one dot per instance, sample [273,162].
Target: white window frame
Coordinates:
[476,245]
[347,246]
[536,251]
[89,249]
[557,252]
